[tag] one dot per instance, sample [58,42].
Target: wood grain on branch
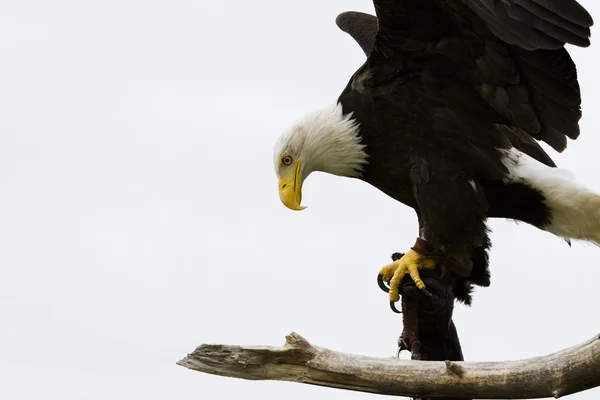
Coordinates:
[569,371]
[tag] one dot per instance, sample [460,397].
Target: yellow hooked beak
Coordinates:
[290,189]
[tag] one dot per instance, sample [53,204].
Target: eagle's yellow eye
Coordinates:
[286,159]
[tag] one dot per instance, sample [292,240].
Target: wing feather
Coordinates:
[536,24]
[361,26]
[530,79]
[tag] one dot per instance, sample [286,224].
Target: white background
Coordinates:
[139,214]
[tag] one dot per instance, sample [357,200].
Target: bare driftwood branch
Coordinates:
[569,371]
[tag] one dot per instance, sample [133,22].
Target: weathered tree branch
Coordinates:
[569,371]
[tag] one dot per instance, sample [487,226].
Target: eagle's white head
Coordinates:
[325,140]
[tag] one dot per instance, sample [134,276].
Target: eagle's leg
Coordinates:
[410,264]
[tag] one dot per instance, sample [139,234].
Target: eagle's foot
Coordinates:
[410,264]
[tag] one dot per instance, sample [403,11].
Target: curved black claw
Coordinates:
[382,284]
[393,307]
[426,292]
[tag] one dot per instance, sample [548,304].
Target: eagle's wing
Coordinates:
[361,26]
[536,24]
[529,24]
[534,91]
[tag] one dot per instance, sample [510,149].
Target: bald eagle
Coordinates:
[445,116]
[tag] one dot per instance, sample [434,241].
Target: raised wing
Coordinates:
[536,24]
[533,90]
[529,24]
[361,26]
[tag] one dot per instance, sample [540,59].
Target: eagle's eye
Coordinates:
[286,159]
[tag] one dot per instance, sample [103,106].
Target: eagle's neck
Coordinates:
[330,142]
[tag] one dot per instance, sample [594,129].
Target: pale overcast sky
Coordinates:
[139,214]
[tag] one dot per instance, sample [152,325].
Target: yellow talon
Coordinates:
[410,263]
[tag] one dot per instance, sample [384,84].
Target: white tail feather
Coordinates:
[575,209]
